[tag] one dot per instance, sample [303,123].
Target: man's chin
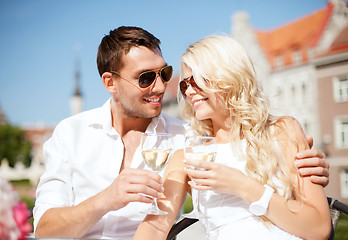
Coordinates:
[150,115]
[155,115]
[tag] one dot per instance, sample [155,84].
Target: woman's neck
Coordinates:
[224,133]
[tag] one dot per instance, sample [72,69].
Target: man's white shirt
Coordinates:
[83,157]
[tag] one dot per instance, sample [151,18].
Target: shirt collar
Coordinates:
[104,119]
[158,125]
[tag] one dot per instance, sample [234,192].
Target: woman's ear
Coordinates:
[109,82]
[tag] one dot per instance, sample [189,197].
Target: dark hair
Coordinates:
[119,42]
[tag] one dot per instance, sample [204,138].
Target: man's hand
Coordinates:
[312,163]
[310,141]
[132,185]
[75,221]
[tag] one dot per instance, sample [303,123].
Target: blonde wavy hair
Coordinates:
[220,64]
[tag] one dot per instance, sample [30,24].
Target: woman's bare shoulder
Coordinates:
[289,128]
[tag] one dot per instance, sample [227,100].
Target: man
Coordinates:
[95,182]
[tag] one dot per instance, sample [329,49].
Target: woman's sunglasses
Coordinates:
[184,84]
[145,79]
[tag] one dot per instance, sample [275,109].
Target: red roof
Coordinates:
[38,135]
[340,44]
[299,35]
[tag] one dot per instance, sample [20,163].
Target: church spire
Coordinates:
[76,101]
[77,79]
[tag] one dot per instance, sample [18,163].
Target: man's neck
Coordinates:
[124,124]
[130,129]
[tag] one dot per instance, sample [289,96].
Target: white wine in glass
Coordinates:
[156,150]
[199,148]
[156,159]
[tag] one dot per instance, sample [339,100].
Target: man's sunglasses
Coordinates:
[184,84]
[145,79]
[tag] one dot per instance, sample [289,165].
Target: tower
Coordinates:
[76,101]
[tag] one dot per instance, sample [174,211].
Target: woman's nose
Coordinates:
[190,90]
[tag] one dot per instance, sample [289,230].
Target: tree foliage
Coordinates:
[14,146]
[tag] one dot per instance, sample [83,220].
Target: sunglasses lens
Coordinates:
[146,79]
[194,85]
[183,87]
[166,73]
[185,83]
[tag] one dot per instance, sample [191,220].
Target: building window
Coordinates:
[340,88]
[310,53]
[341,132]
[344,183]
[304,92]
[297,57]
[278,96]
[279,62]
[293,94]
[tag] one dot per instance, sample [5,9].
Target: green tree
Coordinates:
[14,145]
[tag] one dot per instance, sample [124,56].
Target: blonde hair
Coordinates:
[220,64]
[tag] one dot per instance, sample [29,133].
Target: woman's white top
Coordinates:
[227,215]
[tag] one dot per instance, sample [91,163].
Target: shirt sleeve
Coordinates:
[55,186]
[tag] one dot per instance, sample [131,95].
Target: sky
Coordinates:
[41,41]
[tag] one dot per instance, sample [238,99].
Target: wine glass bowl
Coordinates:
[156,150]
[156,159]
[202,148]
[208,157]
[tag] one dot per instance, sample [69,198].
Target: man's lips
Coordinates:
[153,100]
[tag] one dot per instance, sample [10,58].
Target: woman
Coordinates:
[252,190]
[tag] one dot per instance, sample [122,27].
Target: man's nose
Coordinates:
[159,85]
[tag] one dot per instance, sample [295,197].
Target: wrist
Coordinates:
[250,190]
[100,203]
[260,207]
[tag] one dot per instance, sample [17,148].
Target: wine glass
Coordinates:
[200,148]
[156,150]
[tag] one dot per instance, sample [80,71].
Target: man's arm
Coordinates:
[74,222]
[312,163]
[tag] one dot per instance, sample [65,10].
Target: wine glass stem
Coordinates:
[154,203]
[197,201]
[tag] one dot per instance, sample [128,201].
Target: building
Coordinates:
[332,76]
[170,103]
[293,62]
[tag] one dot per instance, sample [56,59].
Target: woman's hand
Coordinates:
[215,177]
